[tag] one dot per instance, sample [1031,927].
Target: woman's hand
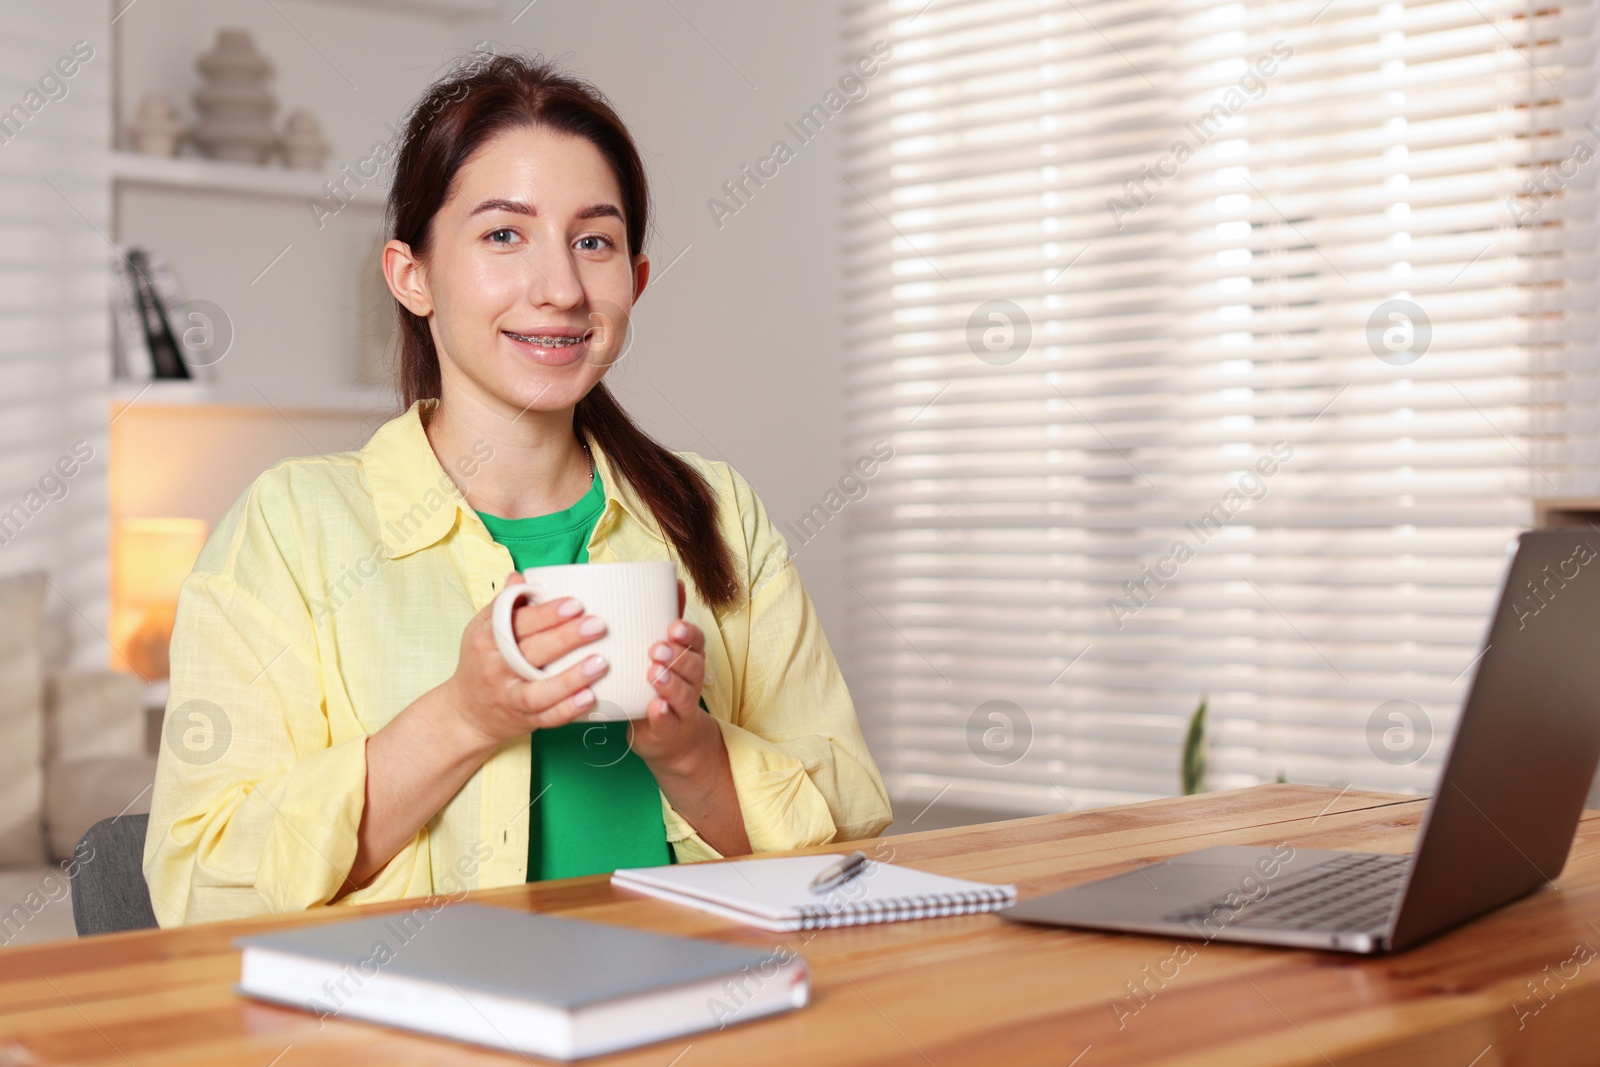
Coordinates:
[675,735]
[423,756]
[683,746]
[496,703]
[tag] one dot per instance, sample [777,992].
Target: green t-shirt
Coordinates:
[596,805]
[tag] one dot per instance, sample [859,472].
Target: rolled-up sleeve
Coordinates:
[258,797]
[800,763]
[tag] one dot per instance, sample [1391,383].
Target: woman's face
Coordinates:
[527,277]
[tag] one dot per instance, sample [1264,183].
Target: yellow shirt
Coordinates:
[335,591]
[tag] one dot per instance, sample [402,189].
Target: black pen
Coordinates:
[835,875]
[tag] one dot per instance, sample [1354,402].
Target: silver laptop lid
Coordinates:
[1526,744]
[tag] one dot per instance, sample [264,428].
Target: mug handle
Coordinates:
[505,602]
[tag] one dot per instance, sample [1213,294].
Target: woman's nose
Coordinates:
[552,278]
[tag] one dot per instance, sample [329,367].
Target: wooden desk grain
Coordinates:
[940,992]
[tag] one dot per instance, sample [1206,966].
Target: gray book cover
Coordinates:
[562,963]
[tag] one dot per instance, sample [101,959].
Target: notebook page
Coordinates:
[779,888]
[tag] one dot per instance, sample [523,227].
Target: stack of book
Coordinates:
[149,320]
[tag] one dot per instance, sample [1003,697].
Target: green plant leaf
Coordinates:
[1193,768]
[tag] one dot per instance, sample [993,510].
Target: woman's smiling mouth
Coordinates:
[552,347]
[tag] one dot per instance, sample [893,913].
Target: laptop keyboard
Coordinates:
[1355,893]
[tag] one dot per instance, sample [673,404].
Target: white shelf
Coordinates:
[180,393]
[437,8]
[160,392]
[273,182]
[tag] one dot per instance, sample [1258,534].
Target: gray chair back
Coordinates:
[109,894]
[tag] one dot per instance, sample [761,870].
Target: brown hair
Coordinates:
[486,95]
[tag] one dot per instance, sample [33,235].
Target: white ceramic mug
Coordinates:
[638,602]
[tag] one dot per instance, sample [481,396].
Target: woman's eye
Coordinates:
[601,242]
[502,237]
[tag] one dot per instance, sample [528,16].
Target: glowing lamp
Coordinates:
[151,560]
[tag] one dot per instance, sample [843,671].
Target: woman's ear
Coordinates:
[407,280]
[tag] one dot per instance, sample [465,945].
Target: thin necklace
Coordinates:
[586,452]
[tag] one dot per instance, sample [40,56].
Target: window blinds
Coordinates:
[1222,348]
[55,124]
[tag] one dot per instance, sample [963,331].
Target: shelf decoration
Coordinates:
[156,128]
[304,147]
[235,106]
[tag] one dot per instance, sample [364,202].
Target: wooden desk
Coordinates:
[964,990]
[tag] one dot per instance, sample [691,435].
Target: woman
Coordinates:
[341,727]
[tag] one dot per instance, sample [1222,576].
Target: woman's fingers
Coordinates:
[676,685]
[500,702]
[559,699]
[676,671]
[528,618]
[687,663]
[683,652]
[547,631]
[564,711]
[688,635]
[557,628]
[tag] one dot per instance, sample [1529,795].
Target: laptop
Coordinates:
[1498,827]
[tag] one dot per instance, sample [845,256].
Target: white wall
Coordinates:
[737,351]
[53,328]
[194,461]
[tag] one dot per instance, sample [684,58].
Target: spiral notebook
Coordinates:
[775,894]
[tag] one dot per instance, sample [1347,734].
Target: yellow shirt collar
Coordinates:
[418,503]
